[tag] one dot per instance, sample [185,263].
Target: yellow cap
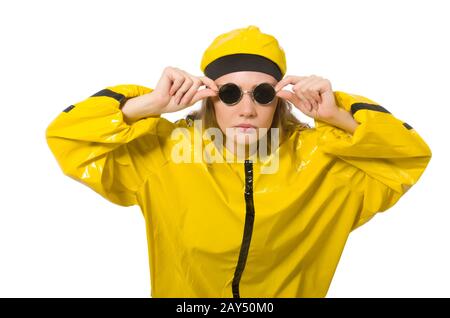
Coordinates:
[245,49]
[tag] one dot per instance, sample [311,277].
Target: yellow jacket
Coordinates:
[225,229]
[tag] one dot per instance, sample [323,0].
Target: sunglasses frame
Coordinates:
[246,92]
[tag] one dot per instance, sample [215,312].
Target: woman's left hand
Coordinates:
[312,95]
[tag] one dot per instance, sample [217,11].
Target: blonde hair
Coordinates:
[283,119]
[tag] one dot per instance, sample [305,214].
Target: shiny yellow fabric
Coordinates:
[329,182]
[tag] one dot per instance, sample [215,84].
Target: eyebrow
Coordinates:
[274,84]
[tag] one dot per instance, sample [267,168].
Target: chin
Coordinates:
[245,139]
[242,138]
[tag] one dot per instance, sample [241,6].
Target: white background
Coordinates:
[58,238]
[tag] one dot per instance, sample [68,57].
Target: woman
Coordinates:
[229,228]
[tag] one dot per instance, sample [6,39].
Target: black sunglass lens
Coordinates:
[264,93]
[229,93]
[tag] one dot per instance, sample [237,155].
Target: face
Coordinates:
[246,111]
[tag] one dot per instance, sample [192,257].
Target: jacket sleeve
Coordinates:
[390,155]
[95,146]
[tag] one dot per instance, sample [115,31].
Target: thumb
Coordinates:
[291,97]
[201,94]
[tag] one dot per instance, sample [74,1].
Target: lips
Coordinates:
[245,126]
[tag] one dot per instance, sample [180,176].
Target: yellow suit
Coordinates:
[225,229]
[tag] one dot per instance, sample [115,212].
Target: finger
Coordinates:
[183,89]
[290,79]
[313,89]
[301,89]
[296,101]
[185,97]
[298,82]
[209,83]
[178,80]
[166,80]
[306,82]
[191,92]
[304,99]
[308,93]
[290,96]
[201,94]
[308,89]
[304,108]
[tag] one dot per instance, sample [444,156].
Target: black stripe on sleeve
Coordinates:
[358,106]
[407,126]
[109,93]
[68,109]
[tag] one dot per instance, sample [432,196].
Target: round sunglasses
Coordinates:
[231,93]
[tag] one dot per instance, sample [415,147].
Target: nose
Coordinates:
[247,107]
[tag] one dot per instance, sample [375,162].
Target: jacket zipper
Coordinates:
[248,227]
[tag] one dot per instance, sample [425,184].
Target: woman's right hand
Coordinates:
[178,89]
